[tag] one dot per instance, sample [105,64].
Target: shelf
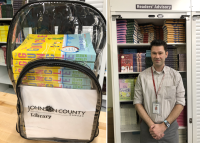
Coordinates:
[126,101]
[182,127]
[129,72]
[5,79]
[3,64]
[144,44]
[130,128]
[3,42]
[5,19]
[10,90]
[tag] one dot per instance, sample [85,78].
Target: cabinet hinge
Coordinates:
[190,120]
[114,17]
[195,17]
[185,17]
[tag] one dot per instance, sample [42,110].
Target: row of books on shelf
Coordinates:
[129,31]
[6,10]
[131,60]
[129,116]
[3,32]
[3,54]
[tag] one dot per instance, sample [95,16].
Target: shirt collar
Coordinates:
[163,71]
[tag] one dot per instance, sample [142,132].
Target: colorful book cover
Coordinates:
[76,47]
[57,85]
[49,71]
[54,79]
[127,63]
[131,81]
[22,63]
[125,91]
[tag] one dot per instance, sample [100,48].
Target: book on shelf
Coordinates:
[126,63]
[128,114]
[125,91]
[128,80]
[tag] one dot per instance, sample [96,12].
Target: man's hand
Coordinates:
[157,131]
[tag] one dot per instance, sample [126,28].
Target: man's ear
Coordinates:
[166,54]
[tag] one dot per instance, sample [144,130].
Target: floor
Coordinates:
[8,118]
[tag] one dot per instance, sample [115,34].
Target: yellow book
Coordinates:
[56,85]
[76,47]
[19,64]
[5,27]
[54,79]
[51,71]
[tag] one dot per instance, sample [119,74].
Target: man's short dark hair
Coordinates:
[159,43]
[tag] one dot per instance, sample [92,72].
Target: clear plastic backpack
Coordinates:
[53,50]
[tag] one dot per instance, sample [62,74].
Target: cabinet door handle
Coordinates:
[151,15]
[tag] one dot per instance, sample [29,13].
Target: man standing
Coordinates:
[159,98]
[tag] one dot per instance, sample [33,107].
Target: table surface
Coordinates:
[8,119]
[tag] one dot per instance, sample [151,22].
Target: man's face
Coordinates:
[158,55]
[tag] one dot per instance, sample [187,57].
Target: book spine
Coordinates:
[54,79]
[46,71]
[57,85]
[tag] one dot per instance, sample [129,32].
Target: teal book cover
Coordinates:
[78,47]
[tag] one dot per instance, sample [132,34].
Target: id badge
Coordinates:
[156,108]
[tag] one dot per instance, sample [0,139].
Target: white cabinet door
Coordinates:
[196,75]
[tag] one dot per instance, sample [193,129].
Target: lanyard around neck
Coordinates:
[155,86]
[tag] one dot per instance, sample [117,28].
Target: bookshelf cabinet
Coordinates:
[5,83]
[131,132]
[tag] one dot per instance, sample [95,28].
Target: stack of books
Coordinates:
[17,4]
[1,56]
[182,118]
[140,58]
[172,59]
[4,33]
[8,2]
[174,30]
[159,32]
[126,85]
[128,114]
[73,47]
[148,33]
[6,11]
[182,62]
[148,61]
[132,60]
[4,54]
[182,135]
[127,31]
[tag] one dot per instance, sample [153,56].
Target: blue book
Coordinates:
[82,47]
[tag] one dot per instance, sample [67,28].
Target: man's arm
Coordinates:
[143,114]
[180,102]
[175,113]
[145,117]
[160,128]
